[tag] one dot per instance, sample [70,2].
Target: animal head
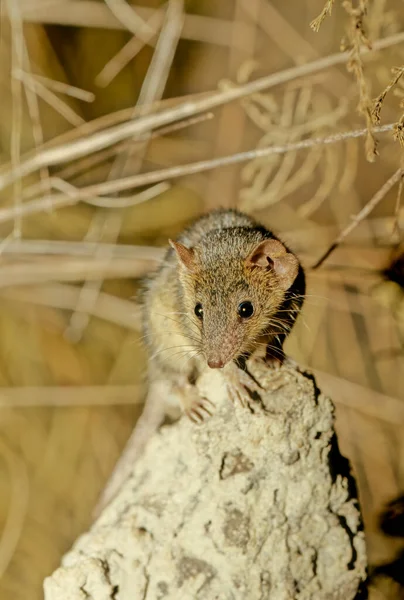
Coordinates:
[234,283]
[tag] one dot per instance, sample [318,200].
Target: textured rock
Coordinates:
[256,503]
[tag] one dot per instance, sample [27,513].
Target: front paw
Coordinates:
[239,383]
[274,362]
[198,410]
[277,362]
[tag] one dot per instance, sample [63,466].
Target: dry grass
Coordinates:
[120,123]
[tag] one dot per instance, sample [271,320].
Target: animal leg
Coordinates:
[238,382]
[197,408]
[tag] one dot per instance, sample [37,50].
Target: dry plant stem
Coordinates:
[111,187]
[114,203]
[64,88]
[293,44]
[396,226]
[72,195]
[89,293]
[129,51]
[18,505]
[103,139]
[87,163]
[100,124]
[89,13]
[69,396]
[51,268]
[17,60]
[316,23]
[362,214]
[358,40]
[51,99]
[26,248]
[33,109]
[151,91]
[129,18]
[124,313]
[378,102]
[399,131]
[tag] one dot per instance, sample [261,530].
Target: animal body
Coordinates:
[227,288]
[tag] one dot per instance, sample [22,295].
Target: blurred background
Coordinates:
[97,94]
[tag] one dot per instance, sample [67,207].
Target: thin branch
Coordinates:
[129,51]
[69,196]
[118,311]
[396,227]
[156,77]
[112,187]
[18,505]
[152,89]
[58,396]
[86,164]
[103,139]
[114,203]
[129,18]
[378,102]
[65,88]
[17,59]
[56,268]
[361,215]
[37,131]
[293,43]
[359,41]
[316,23]
[51,99]
[26,248]
[88,13]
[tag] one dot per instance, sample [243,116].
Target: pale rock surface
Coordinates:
[255,504]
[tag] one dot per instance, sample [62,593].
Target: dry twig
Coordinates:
[17,60]
[109,223]
[378,102]
[129,51]
[98,141]
[358,40]
[362,214]
[72,195]
[316,23]
[112,187]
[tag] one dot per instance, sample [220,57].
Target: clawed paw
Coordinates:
[277,362]
[238,394]
[273,362]
[239,382]
[200,410]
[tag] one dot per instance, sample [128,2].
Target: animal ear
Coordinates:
[185,255]
[272,254]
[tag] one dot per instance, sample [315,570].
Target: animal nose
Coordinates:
[215,363]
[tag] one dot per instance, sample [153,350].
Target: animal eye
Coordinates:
[245,310]
[199,310]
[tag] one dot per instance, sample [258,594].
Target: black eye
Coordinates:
[245,310]
[199,310]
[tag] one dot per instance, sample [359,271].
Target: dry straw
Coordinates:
[84,200]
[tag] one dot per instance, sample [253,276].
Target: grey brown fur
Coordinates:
[221,260]
[179,343]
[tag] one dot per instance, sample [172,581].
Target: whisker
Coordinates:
[151,335]
[171,348]
[180,323]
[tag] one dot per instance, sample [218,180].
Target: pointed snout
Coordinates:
[216,363]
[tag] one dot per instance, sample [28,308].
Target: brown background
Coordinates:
[71,390]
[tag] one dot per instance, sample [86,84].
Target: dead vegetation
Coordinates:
[120,122]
